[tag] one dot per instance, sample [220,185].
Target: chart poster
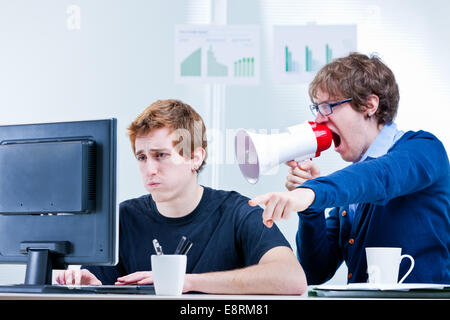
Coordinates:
[300,51]
[217,54]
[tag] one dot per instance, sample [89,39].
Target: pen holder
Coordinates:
[168,273]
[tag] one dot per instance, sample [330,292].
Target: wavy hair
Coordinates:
[180,118]
[357,76]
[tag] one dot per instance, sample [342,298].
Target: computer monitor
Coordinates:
[58,196]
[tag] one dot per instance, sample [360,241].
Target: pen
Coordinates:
[187,247]
[157,247]
[180,245]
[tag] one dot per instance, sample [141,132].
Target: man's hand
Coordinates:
[146,277]
[77,277]
[300,172]
[280,205]
[140,277]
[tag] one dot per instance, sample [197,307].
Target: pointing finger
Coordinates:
[268,223]
[268,211]
[262,199]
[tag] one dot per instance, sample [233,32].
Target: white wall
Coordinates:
[121,59]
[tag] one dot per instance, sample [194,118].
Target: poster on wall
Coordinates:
[300,51]
[217,54]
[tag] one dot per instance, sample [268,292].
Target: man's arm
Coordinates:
[278,272]
[409,167]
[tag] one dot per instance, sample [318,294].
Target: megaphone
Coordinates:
[257,153]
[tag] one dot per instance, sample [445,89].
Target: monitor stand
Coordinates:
[43,257]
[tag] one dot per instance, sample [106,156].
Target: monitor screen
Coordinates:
[58,196]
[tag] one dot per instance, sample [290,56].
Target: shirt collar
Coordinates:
[383,142]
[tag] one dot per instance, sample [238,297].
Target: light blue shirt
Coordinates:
[387,137]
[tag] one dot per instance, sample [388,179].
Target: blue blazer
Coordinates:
[403,201]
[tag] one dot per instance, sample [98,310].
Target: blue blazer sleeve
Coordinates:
[409,166]
[317,242]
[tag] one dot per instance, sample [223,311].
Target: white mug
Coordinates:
[168,273]
[383,265]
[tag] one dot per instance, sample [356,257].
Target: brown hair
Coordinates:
[180,118]
[357,76]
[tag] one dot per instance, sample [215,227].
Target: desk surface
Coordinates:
[311,294]
[23,296]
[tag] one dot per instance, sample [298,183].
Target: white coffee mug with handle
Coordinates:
[383,264]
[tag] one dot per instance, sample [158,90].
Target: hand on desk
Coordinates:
[146,277]
[77,277]
[85,277]
[140,277]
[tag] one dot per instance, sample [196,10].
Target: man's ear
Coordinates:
[371,106]
[198,157]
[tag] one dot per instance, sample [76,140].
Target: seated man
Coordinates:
[233,252]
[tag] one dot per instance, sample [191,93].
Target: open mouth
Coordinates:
[336,139]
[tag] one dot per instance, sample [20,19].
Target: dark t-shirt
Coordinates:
[226,231]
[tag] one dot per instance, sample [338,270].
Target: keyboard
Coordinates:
[83,289]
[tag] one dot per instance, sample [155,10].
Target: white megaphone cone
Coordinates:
[257,154]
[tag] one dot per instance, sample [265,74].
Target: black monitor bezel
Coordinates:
[93,236]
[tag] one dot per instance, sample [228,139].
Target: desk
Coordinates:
[187,297]
[200,297]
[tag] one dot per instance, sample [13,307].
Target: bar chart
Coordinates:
[301,50]
[244,67]
[328,53]
[311,64]
[291,65]
[217,54]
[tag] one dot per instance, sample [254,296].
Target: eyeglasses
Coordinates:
[326,108]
